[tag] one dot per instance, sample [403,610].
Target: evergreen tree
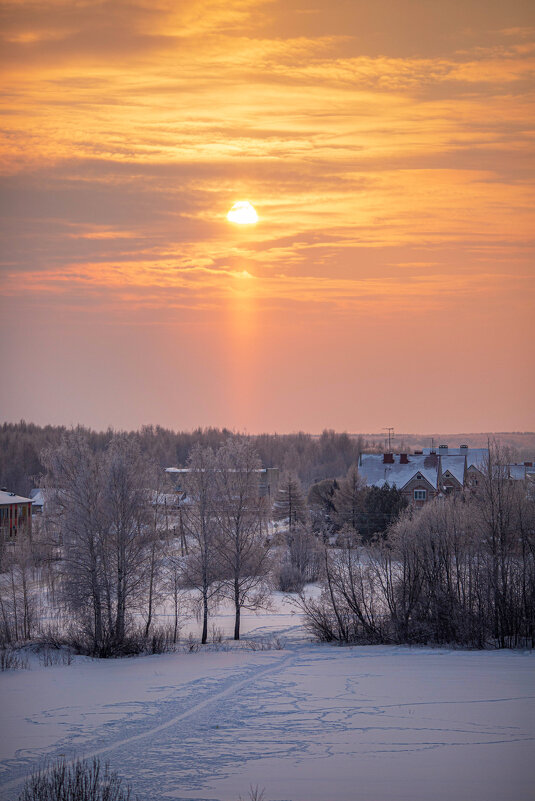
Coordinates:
[349,500]
[321,503]
[290,502]
[383,506]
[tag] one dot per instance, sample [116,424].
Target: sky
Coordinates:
[387,148]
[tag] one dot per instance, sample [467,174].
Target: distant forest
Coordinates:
[311,457]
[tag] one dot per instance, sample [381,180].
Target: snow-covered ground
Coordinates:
[307,723]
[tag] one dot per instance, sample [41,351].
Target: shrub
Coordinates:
[11,660]
[79,781]
[290,579]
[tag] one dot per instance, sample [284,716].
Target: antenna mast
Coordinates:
[390,430]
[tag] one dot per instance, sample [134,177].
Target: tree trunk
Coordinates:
[238,610]
[175,632]
[204,617]
[151,590]
[97,613]
[121,600]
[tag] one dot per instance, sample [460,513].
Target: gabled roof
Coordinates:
[454,465]
[7,498]
[376,473]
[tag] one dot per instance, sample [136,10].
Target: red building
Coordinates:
[15,516]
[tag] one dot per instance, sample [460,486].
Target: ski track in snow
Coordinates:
[202,687]
[309,706]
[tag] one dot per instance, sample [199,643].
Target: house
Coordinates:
[268,479]
[521,472]
[424,474]
[15,516]
[37,497]
[417,476]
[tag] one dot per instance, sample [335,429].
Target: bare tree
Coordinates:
[242,548]
[159,532]
[130,537]
[18,594]
[505,515]
[100,503]
[173,583]
[201,569]
[75,510]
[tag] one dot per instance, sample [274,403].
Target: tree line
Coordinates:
[117,557]
[104,556]
[310,458]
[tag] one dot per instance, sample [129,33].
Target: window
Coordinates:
[420,495]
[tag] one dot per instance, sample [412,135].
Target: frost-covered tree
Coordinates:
[289,502]
[100,505]
[201,566]
[19,596]
[130,536]
[241,545]
[349,500]
[74,482]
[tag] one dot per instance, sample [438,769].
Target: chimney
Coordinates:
[403,458]
[528,464]
[418,453]
[464,447]
[443,449]
[388,458]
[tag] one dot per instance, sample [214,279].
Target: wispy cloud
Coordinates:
[389,156]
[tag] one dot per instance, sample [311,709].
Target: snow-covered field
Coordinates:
[307,723]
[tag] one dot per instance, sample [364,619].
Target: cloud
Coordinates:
[389,157]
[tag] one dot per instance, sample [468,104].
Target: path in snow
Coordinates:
[311,723]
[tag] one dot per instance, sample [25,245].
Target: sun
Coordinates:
[242,213]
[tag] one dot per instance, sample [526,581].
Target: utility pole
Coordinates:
[390,430]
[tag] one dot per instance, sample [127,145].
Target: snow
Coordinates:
[377,473]
[307,723]
[8,498]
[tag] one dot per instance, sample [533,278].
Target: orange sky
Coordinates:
[388,150]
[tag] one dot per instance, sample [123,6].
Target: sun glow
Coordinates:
[242,213]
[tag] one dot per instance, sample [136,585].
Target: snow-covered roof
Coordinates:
[38,497]
[174,470]
[164,498]
[377,473]
[474,456]
[453,464]
[520,472]
[7,498]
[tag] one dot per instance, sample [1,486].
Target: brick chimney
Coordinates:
[528,464]
[403,458]
[388,458]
